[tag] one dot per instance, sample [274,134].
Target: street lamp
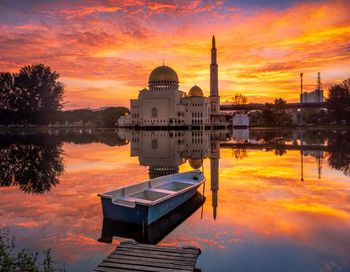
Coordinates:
[301,99]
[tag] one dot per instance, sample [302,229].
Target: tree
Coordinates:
[239,99]
[39,94]
[273,114]
[282,118]
[109,117]
[7,97]
[12,258]
[339,101]
[7,85]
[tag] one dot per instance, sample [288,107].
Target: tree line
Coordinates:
[106,118]
[337,104]
[34,96]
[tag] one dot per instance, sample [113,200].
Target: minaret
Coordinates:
[214,81]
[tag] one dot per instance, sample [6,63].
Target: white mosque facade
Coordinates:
[164,105]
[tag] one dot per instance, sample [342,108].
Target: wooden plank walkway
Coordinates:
[131,256]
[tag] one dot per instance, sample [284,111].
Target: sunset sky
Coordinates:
[105,50]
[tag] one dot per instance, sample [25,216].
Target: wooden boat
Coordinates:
[155,232]
[146,202]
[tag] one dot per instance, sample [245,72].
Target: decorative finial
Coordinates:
[163,62]
[213,42]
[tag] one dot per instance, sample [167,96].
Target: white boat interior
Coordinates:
[153,191]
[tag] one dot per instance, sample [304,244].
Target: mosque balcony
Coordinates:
[176,122]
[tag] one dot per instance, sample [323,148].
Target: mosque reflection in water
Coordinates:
[34,162]
[163,152]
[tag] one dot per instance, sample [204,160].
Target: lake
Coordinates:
[275,200]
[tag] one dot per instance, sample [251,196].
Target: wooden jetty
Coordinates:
[132,256]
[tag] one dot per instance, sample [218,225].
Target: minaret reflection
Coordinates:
[216,138]
[214,175]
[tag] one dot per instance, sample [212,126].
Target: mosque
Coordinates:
[164,105]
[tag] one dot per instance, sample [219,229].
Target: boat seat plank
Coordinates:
[124,202]
[135,199]
[163,191]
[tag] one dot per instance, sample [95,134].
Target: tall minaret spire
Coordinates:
[214,81]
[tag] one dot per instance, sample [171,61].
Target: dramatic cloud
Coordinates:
[262,48]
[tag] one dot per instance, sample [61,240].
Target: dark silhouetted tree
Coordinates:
[339,102]
[239,99]
[273,114]
[39,93]
[7,86]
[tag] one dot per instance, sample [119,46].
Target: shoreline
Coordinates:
[113,129]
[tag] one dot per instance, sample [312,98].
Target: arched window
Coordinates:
[154,112]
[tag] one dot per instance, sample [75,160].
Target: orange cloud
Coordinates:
[161,6]
[261,51]
[83,11]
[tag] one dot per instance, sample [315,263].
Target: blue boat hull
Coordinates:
[141,214]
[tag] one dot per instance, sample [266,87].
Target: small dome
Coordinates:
[163,73]
[195,91]
[196,164]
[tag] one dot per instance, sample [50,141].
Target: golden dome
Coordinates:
[195,91]
[196,164]
[163,73]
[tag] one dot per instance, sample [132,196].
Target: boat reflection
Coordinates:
[155,232]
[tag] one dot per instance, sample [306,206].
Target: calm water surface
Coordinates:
[275,200]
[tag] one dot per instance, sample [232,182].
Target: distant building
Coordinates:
[313,97]
[164,105]
[240,120]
